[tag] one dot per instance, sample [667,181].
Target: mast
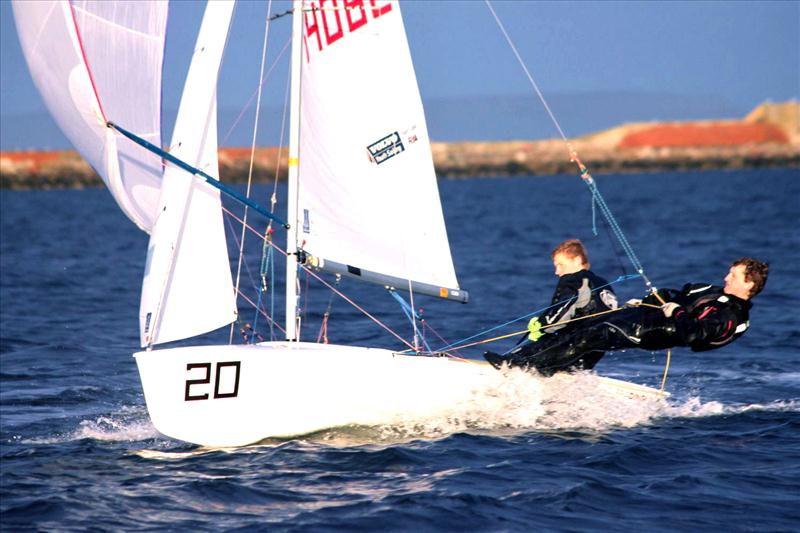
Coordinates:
[292,329]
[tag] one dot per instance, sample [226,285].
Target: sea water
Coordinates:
[78,451]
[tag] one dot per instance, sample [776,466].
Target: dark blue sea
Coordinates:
[78,451]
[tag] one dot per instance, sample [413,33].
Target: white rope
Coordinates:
[525,68]
[321,280]
[246,106]
[587,178]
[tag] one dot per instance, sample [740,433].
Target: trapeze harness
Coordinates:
[581,293]
[706,319]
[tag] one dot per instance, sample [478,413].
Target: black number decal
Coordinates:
[233,394]
[237,365]
[205,381]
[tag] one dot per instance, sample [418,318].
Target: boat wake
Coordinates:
[523,402]
[130,425]
[694,407]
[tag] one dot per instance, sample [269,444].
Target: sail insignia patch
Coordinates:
[386,148]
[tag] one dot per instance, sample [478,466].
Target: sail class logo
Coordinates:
[386,148]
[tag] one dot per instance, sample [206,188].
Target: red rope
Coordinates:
[251,302]
[86,61]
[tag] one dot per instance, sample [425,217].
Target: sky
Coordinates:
[599,64]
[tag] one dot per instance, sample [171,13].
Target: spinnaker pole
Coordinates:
[197,172]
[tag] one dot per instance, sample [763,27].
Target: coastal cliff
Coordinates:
[769,136]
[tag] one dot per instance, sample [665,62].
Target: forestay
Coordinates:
[187,288]
[74,51]
[368,197]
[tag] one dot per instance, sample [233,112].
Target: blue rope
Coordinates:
[535,313]
[409,312]
[267,264]
[615,228]
[271,296]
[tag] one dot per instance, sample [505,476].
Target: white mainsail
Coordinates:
[368,197]
[76,52]
[187,288]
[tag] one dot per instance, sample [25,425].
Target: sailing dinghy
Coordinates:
[359,151]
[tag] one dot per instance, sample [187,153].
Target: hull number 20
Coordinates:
[225,384]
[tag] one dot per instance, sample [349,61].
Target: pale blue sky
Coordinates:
[601,63]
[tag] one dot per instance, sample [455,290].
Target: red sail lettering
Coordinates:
[350,8]
[333,12]
[312,29]
[332,25]
[378,11]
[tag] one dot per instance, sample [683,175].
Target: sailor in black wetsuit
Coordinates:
[579,293]
[702,317]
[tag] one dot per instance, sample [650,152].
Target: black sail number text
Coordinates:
[225,380]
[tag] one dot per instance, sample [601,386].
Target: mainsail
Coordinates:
[368,201]
[74,51]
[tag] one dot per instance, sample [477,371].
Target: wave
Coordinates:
[129,424]
[694,407]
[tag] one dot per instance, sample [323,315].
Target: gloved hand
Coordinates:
[534,329]
[633,302]
[669,308]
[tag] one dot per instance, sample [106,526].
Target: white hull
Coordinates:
[236,395]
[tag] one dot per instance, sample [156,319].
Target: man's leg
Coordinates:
[581,346]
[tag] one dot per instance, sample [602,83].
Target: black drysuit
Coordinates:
[706,319]
[579,294]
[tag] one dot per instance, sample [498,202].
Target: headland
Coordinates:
[769,136]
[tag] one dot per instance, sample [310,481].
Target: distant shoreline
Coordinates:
[768,137]
[66,169]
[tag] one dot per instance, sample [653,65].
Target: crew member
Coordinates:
[579,293]
[700,316]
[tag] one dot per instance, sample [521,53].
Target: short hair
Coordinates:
[572,248]
[755,271]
